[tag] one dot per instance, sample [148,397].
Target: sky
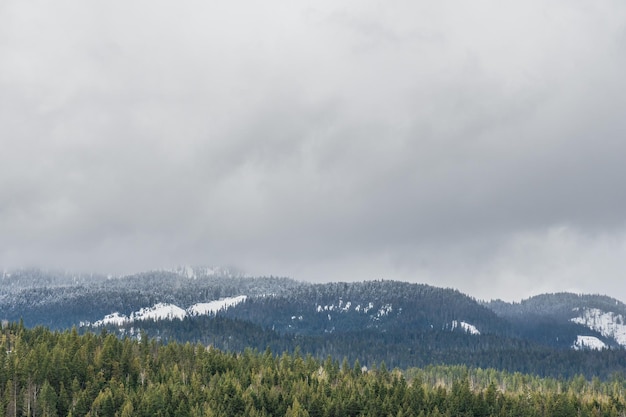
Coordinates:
[475,145]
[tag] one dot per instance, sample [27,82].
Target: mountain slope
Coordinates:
[557,319]
[401,323]
[61,300]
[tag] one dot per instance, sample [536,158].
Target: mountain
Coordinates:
[60,300]
[400,323]
[591,321]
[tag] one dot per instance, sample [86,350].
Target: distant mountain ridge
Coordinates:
[403,324]
[601,317]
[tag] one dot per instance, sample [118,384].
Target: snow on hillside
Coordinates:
[215,306]
[608,324]
[160,311]
[116,319]
[164,311]
[588,342]
[344,307]
[469,328]
[385,310]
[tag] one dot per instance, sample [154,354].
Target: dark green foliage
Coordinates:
[44,373]
[398,348]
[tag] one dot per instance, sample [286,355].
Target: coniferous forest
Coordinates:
[46,373]
[403,324]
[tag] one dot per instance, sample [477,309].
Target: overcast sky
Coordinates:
[477,145]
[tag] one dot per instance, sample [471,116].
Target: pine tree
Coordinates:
[47,404]
[296,410]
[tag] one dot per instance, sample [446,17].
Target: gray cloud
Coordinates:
[476,145]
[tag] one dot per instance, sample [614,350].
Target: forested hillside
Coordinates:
[61,300]
[46,373]
[557,318]
[399,348]
[403,324]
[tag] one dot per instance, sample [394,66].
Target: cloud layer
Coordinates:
[475,145]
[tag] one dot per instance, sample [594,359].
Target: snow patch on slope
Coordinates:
[345,307]
[116,319]
[164,311]
[385,310]
[215,306]
[588,342]
[468,328]
[608,324]
[160,311]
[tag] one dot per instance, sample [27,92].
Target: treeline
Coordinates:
[46,373]
[401,348]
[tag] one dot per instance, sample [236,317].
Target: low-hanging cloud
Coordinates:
[475,145]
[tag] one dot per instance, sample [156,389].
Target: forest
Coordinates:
[401,348]
[64,373]
[403,324]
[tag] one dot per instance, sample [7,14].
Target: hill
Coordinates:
[403,324]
